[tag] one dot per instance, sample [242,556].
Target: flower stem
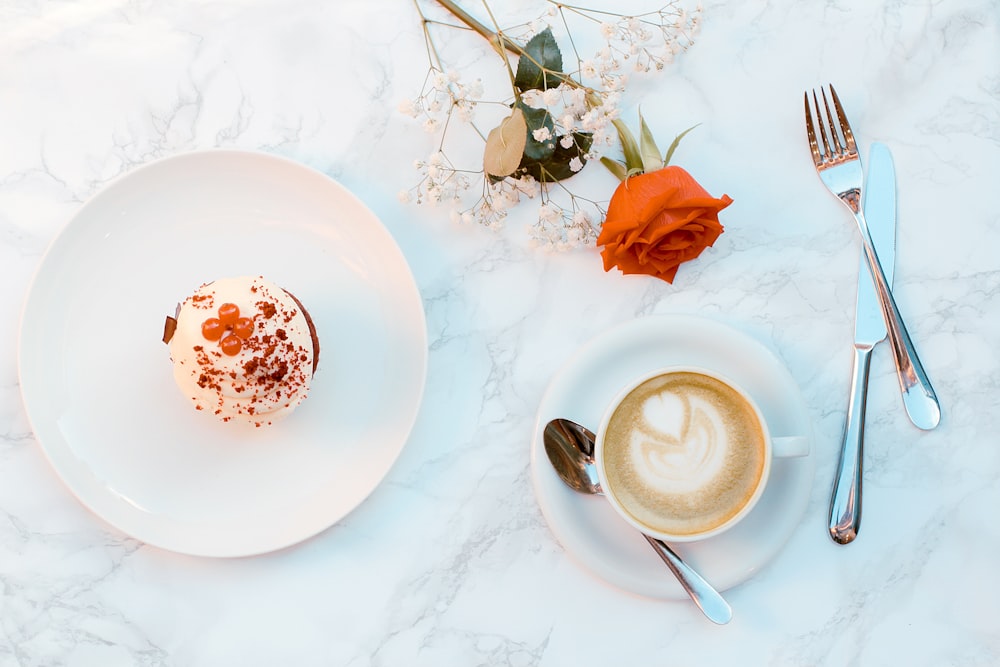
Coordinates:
[491,36]
[502,43]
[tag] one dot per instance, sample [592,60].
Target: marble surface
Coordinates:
[450,561]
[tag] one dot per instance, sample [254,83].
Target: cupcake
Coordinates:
[243,349]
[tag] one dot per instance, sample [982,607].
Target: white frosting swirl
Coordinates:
[270,375]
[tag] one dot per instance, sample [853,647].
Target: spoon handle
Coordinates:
[709,600]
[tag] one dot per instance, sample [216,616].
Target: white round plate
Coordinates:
[588,527]
[97,380]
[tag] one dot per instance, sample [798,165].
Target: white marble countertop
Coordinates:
[450,561]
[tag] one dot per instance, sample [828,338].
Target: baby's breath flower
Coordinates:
[528,186]
[578,98]
[591,120]
[408,108]
[603,137]
[551,97]
[541,134]
[502,200]
[532,98]
[548,212]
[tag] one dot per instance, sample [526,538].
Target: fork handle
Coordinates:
[919,399]
[845,503]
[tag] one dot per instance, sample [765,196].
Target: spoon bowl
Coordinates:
[570,449]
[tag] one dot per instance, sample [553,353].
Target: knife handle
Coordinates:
[845,503]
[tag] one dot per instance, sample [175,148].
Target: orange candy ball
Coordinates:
[243,327]
[212,329]
[228,314]
[231,345]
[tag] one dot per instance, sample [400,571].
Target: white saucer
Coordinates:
[588,527]
[98,384]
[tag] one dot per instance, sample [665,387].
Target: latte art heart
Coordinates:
[683,453]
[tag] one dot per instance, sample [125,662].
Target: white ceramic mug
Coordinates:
[683,453]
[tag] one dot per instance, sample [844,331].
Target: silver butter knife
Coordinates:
[869,330]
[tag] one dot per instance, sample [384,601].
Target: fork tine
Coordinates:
[811,133]
[844,125]
[834,137]
[827,153]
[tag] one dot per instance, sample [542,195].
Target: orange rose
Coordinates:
[658,220]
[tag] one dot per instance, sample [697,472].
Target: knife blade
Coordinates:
[879,203]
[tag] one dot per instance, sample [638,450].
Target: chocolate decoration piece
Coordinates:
[169,327]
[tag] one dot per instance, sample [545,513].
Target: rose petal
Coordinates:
[657,221]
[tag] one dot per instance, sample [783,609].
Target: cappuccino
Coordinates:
[683,453]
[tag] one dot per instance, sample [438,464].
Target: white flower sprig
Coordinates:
[558,121]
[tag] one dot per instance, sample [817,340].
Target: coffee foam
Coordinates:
[683,453]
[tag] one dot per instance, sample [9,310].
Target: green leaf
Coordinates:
[648,151]
[541,58]
[615,167]
[630,149]
[673,144]
[556,166]
[505,146]
[537,119]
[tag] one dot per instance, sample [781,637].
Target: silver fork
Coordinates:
[839,167]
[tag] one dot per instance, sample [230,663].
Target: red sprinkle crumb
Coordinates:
[267,309]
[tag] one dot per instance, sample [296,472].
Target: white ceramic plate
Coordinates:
[97,380]
[588,527]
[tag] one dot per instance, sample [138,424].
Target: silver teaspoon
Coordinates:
[570,448]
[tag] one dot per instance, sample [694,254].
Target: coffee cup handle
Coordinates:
[789,446]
